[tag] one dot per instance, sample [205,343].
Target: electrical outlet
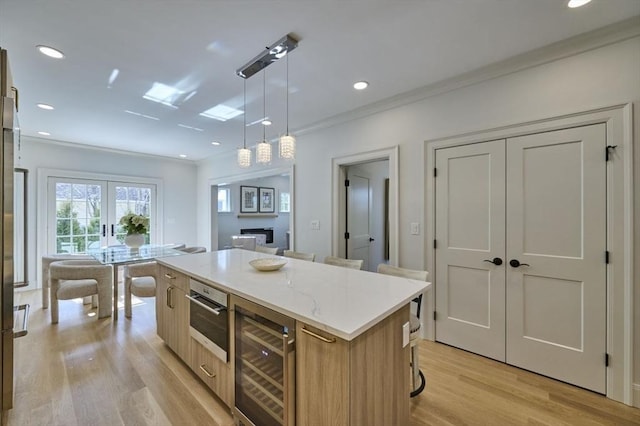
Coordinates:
[415,228]
[315,225]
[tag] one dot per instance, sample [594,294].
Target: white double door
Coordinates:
[84,214]
[520,257]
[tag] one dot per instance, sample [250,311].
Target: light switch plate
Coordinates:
[405,334]
[415,228]
[315,225]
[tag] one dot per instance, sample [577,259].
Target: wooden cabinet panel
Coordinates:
[361,382]
[172,311]
[213,371]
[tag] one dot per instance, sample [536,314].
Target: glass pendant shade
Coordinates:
[244,157]
[263,153]
[287,147]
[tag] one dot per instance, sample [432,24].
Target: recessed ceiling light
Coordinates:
[215,143]
[50,51]
[183,155]
[577,3]
[44,133]
[266,122]
[360,85]
[45,106]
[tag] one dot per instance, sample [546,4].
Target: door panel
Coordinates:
[470,229]
[358,221]
[556,204]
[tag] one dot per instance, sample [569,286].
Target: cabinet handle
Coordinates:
[317,336]
[169,277]
[170,297]
[205,371]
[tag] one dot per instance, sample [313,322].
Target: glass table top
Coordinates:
[118,255]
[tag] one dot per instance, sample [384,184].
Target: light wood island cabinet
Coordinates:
[172,310]
[214,372]
[364,381]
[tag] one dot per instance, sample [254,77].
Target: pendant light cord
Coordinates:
[287,94]
[244,128]
[264,104]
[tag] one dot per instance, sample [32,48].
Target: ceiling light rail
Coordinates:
[271,54]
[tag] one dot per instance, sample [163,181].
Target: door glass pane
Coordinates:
[131,199]
[78,213]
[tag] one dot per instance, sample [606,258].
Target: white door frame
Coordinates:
[620,272]
[338,202]
[213,195]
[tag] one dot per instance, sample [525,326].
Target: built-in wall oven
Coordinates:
[209,318]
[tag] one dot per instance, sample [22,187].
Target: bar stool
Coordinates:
[418,381]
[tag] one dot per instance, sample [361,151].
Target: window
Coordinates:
[224,200]
[285,202]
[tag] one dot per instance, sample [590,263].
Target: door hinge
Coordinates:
[435,172]
[606,360]
[606,257]
[435,315]
[346,182]
[346,235]
[608,151]
[435,244]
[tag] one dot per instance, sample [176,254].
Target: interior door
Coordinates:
[556,228]
[535,208]
[358,220]
[470,216]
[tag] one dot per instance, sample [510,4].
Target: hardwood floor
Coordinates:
[86,371]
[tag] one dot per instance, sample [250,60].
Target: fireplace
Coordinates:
[268,232]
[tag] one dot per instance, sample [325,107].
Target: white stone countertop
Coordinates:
[344,302]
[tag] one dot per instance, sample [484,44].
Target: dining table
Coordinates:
[122,255]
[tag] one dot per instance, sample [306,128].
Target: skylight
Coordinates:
[161,93]
[221,112]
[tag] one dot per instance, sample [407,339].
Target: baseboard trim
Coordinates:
[636,395]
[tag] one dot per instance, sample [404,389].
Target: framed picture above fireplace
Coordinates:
[248,199]
[267,200]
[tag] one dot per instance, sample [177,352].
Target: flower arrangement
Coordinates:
[135,223]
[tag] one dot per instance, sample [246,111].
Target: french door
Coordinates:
[520,258]
[84,214]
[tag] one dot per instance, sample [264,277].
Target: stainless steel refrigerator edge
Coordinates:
[6,231]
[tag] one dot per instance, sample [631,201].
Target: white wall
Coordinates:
[600,77]
[178,182]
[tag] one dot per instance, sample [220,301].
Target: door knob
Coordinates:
[371,239]
[516,263]
[496,261]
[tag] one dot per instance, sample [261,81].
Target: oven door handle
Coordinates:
[197,302]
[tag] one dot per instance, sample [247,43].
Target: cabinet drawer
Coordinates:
[174,278]
[214,372]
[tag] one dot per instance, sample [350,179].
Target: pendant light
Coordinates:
[287,145]
[263,149]
[244,154]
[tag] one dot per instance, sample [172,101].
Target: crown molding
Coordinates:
[27,138]
[611,34]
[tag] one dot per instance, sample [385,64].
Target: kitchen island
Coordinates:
[351,332]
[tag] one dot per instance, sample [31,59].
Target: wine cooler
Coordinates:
[264,365]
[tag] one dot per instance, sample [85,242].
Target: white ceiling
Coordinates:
[397,46]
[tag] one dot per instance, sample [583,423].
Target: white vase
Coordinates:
[134,240]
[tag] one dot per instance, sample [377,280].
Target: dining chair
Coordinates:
[299,255]
[417,378]
[267,250]
[46,262]
[193,249]
[345,263]
[139,280]
[73,279]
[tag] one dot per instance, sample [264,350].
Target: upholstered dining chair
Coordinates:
[193,249]
[247,242]
[417,378]
[345,263]
[72,279]
[46,262]
[299,255]
[267,250]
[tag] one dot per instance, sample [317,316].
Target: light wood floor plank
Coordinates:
[89,371]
